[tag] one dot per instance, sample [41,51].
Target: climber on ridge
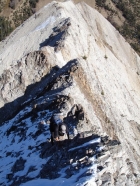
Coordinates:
[59,130]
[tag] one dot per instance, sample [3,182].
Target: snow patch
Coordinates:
[96,140]
[12,147]
[74,180]
[50,20]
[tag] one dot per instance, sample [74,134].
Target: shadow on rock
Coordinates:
[66,153]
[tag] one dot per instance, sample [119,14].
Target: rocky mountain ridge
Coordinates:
[63,60]
[123,14]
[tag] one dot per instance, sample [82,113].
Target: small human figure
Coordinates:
[58,128]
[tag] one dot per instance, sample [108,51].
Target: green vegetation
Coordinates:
[7,25]
[33,3]
[5,28]
[1,5]
[131,28]
[130,11]
[84,57]
[105,56]
[21,15]
[127,12]
[12,4]
[100,3]
[102,93]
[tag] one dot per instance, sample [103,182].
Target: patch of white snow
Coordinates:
[96,140]
[50,20]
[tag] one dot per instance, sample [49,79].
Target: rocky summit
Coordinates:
[68,59]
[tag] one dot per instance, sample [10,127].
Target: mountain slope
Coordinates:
[68,58]
[123,14]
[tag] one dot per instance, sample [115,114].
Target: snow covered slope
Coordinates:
[68,58]
[22,160]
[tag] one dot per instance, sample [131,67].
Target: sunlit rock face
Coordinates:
[69,59]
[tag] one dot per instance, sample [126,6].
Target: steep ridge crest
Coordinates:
[67,58]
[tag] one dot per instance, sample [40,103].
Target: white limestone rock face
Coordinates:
[105,80]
